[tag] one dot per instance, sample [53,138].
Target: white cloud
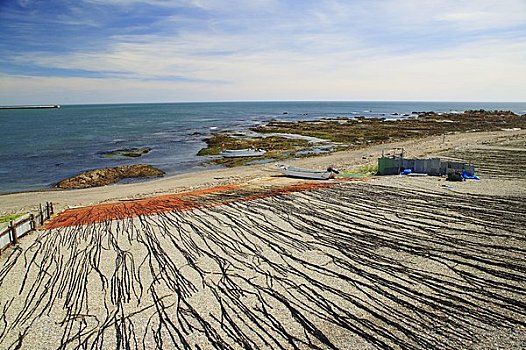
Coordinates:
[325,52]
[477,72]
[484,14]
[424,15]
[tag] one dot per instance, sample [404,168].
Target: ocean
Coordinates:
[40,147]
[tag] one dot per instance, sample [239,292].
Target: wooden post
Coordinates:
[51,207]
[32,224]
[41,215]
[47,210]
[14,239]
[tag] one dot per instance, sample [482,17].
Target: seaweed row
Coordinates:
[499,164]
[322,269]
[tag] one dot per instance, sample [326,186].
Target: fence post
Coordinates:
[48,215]
[32,224]
[14,239]
[51,208]
[41,215]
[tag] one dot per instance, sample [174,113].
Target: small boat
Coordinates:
[248,152]
[291,171]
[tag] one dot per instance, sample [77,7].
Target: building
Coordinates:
[432,166]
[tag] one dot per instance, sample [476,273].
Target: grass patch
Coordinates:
[367,169]
[363,171]
[9,218]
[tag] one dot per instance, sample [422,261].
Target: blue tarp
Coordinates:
[469,176]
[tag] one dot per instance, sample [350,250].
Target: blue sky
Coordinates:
[104,51]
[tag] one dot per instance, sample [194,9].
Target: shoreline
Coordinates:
[343,160]
[177,142]
[344,254]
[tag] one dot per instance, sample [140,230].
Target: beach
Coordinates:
[348,160]
[242,258]
[45,146]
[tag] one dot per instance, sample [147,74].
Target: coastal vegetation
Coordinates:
[8,218]
[367,169]
[360,172]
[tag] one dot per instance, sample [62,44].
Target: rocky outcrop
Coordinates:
[108,176]
[479,113]
[127,152]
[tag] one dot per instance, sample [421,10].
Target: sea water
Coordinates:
[40,147]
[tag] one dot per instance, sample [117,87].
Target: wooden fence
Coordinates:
[23,225]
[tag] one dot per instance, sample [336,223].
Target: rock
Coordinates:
[127,152]
[108,176]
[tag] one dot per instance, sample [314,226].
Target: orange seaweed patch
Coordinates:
[169,203]
[209,190]
[115,211]
[288,189]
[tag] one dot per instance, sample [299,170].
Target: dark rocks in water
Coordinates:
[285,112]
[479,113]
[426,114]
[108,176]
[127,152]
[482,112]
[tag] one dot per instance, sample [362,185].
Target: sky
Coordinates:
[127,51]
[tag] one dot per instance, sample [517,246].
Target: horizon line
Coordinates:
[255,101]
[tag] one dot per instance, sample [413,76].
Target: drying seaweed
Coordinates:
[351,263]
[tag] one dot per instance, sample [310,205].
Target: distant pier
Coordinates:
[30,107]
